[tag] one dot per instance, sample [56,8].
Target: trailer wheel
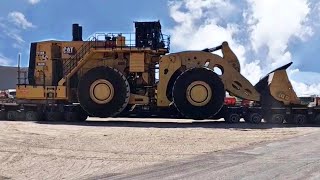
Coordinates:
[275,119]
[299,119]
[198,93]
[232,118]
[103,92]
[254,118]
[3,115]
[12,115]
[32,116]
[54,116]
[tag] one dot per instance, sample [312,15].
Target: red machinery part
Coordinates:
[230,101]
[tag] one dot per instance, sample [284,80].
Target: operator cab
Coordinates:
[148,34]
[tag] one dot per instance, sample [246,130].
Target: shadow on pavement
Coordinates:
[165,123]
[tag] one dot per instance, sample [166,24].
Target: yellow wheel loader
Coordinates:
[118,74]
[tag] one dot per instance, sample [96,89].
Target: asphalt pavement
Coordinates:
[295,158]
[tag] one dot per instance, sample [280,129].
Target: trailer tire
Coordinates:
[12,115]
[232,118]
[275,119]
[254,118]
[32,116]
[54,116]
[299,119]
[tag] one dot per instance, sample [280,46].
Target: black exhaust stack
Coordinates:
[76,32]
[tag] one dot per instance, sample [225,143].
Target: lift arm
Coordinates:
[233,81]
[228,55]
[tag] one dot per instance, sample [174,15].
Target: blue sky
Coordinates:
[52,19]
[265,34]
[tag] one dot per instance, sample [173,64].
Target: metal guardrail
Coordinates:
[130,40]
[108,40]
[72,62]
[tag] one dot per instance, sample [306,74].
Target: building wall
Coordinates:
[8,77]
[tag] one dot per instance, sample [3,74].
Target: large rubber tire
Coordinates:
[82,114]
[179,93]
[121,92]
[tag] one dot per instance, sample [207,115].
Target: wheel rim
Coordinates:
[10,115]
[30,116]
[234,118]
[300,119]
[277,119]
[199,93]
[50,116]
[101,91]
[256,119]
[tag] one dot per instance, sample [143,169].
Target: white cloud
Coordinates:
[4,61]
[252,71]
[195,20]
[259,34]
[273,23]
[197,26]
[305,83]
[33,1]
[19,20]
[303,89]
[12,26]
[8,31]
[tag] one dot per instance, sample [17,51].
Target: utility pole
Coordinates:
[19,61]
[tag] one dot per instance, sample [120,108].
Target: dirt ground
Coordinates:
[33,150]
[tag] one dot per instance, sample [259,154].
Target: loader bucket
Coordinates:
[276,89]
